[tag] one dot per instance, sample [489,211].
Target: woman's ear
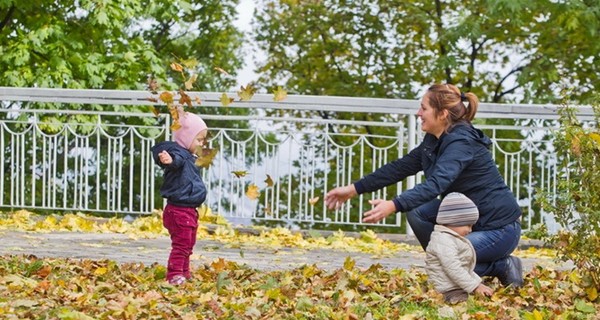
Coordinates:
[444,114]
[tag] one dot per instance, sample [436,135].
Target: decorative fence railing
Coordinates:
[62,150]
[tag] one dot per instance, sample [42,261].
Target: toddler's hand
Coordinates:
[165,157]
[484,290]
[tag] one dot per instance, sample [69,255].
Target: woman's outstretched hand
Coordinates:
[381,209]
[336,197]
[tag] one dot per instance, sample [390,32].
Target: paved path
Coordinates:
[122,248]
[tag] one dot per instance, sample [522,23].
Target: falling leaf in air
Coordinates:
[174,113]
[225,99]
[268,210]
[222,71]
[175,125]
[269,181]
[190,83]
[185,98]
[152,85]
[176,67]
[246,93]
[313,201]
[279,94]
[197,99]
[240,173]
[166,97]
[252,192]
[206,157]
[189,63]
[154,111]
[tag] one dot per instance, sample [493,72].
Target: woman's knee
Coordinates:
[491,245]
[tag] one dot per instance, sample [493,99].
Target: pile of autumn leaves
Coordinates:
[86,289]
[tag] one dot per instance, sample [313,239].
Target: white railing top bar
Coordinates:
[292,102]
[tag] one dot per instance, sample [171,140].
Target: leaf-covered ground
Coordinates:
[32,288]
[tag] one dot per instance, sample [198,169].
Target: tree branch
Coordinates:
[443,51]
[498,94]
[6,19]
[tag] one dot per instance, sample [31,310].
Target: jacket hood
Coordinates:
[467,129]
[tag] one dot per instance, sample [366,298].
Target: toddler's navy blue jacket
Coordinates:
[459,161]
[182,185]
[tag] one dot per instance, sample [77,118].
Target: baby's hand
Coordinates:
[484,290]
[165,157]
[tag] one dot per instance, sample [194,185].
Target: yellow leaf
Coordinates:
[175,125]
[592,293]
[190,83]
[279,94]
[240,173]
[225,99]
[197,99]
[174,113]
[206,157]
[189,63]
[154,111]
[537,315]
[205,297]
[252,192]
[313,201]
[176,67]
[349,263]
[219,265]
[222,71]
[166,97]
[246,93]
[595,136]
[73,314]
[184,98]
[100,271]
[269,181]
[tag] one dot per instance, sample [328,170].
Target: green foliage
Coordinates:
[502,50]
[114,44]
[576,202]
[538,231]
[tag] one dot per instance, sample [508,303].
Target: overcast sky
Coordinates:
[245,10]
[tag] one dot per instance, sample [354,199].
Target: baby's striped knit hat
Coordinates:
[457,209]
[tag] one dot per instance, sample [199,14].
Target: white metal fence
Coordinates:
[60,151]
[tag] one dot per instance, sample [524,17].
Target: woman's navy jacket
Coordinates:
[459,161]
[182,185]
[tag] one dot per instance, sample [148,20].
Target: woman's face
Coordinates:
[430,122]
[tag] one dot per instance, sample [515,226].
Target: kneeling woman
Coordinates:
[454,157]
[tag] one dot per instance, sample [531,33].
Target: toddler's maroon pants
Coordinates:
[182,223]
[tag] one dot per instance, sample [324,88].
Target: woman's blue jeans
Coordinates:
[493,247]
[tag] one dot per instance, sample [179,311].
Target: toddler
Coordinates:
[450,257]
[184,190]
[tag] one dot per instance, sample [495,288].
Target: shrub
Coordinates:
[576,201]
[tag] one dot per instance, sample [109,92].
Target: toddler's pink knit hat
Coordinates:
[191,125]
